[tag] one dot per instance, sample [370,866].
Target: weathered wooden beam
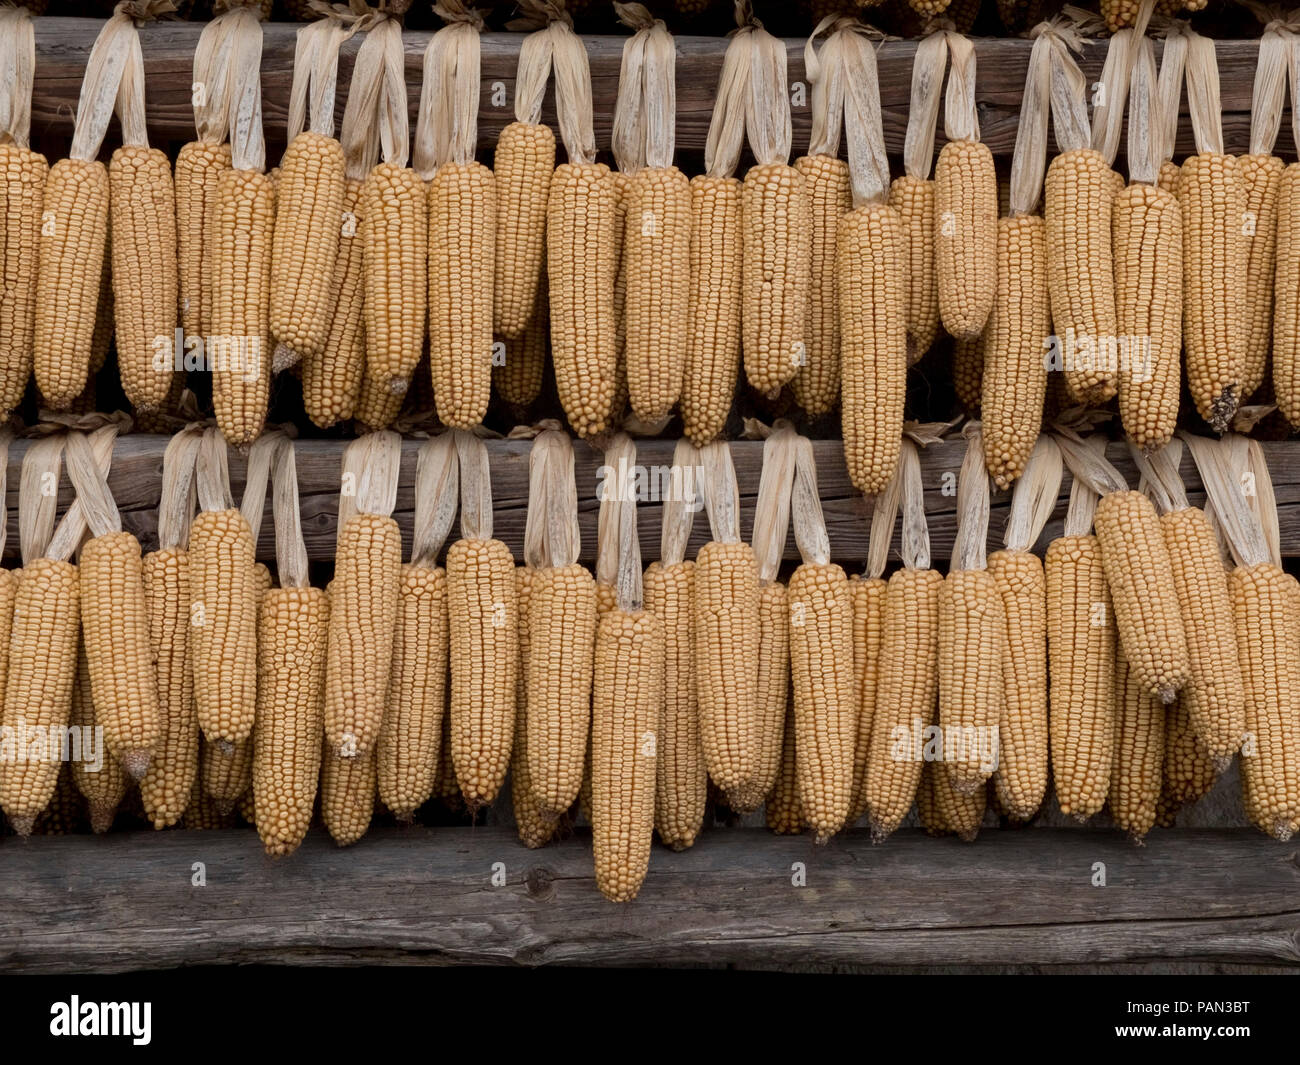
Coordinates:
[63,45]
[137,474]
[128,901]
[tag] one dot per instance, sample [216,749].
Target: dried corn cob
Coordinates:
[1015,377]
[347,795]
[331,380]
[103,784]
[1138,572]
[524,162]
[305,247]
[816,383]
[1079,194]
[965,213]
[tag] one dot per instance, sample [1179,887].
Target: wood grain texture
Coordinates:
[136,477]
[63,45]
[423,896]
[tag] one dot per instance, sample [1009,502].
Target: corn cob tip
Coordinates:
[1138,839]
[880,832]
[224,747]
[225,806]
[1167,695]
[1224,409]
[101,817]
[136,762]
[23,825]
[284,357]
[1282,830]
[398,385]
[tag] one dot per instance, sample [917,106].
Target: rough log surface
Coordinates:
[137,474]
[424,896]
[63,45]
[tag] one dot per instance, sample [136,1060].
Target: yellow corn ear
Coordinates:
[1021,779]
[1136,774]
[331,379]
[1268,646]
[972,639]
[1214,698]
[292,634]
[165,789]
[1081,647]
[535,830]
[115,628]
[1212,199]
[103,786]
[1261,176]
[524,163]
[776,218]
[309,203]
[202,814]
[103,334]
[626,710]
[365,600]
[1188,772]
[713,316]
[868,599]
[1168,177]
[873,342]
[377,404]
[347,795]
[73,241]
[562,633]
[783,811]
[483,627]
[773,686]
[816,384]
[9,579]
[1078,198]
[517,375]
[943,811]
[462,243]
[1286,314]
[825,707]
[726,664]
[1148,261]
[965,232]
[1140,575]
[580,273]
[394,255]
[198,170]
[407,759]
[23,173]
[142,212]
[968,373]
[614,251]
[240,341]
[681,781]
[1015,374]
[656,266]
[223,620]
[907,690]
[913,199]
[226,775]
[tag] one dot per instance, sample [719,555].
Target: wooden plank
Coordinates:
[127,901]
[137,473]
[63,45]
